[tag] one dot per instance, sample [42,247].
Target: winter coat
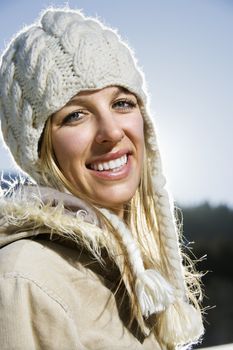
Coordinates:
[53,293]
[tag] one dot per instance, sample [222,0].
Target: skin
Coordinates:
[96,126]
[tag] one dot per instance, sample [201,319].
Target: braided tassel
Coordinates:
[180,324]
[153,292]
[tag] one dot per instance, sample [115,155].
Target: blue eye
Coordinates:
[73,117]
[124,104]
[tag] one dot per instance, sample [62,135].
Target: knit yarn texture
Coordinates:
[48,63]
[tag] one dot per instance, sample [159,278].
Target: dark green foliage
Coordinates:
[205,221]
[211,230]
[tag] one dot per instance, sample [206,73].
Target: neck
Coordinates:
[118,210]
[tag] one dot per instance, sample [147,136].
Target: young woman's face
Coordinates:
[98,141]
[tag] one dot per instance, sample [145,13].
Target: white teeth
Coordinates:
[100,167]
[118,162]
[105,165]
[112,164]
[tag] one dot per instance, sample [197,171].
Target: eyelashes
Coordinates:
[73,117]
[123,105]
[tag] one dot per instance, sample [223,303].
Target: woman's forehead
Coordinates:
[111,91]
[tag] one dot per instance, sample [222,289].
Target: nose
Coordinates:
[109,129]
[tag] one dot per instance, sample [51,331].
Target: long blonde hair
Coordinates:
[142,215]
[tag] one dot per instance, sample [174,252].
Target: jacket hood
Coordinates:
[31,210]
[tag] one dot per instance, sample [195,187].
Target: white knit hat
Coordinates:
[44,66]
[48,63]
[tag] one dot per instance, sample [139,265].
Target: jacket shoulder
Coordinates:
[32,317]
[64,279]
[40,259]
[56,267]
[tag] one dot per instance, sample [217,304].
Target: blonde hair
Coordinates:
[143,215]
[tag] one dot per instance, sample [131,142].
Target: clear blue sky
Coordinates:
[185,48]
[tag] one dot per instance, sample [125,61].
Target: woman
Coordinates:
[90,257]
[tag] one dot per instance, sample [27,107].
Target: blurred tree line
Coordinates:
[211,230]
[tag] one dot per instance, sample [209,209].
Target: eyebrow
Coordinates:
[78,99]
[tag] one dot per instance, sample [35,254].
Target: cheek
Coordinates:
[135,129]
[140,128]
[69,144]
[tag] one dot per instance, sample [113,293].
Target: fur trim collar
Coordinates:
[32,210]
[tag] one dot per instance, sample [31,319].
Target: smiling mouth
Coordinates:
[110,166]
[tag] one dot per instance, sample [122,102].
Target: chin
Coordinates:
[115,201]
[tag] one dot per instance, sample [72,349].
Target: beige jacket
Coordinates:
[54,295]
